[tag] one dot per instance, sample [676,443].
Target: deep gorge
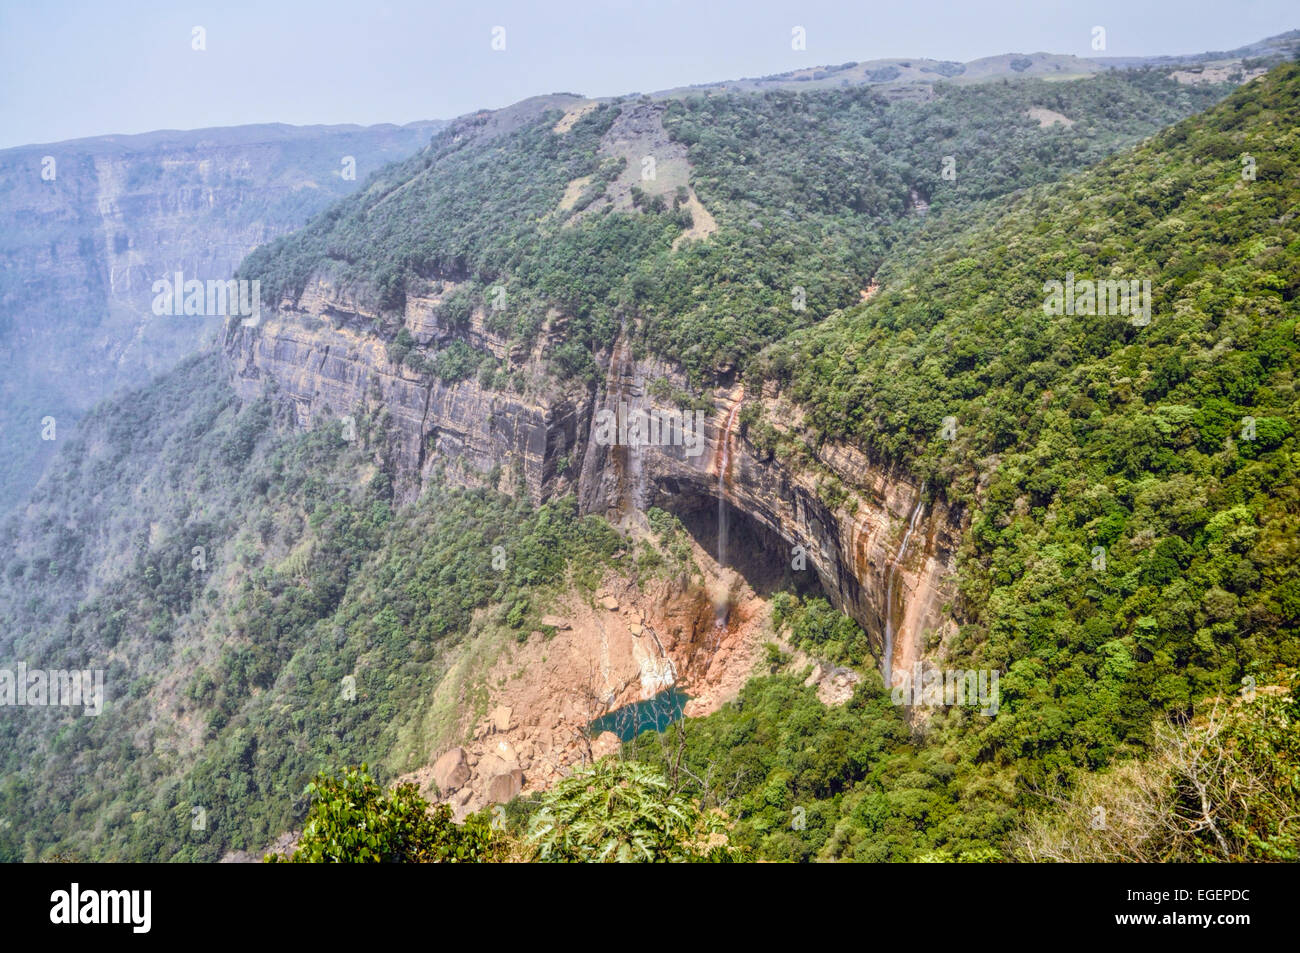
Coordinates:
[319,355]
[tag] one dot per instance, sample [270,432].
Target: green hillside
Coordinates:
[810,190]
[1072,432]
[225,667]
[1079,437]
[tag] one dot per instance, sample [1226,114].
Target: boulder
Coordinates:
[501,717]
[556,622]
[505,786]
[495,763]
[451,771]
[610,603]
[605,743]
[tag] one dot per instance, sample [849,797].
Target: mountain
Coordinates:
[122,211]
[1270,50]
[391,523]
[913,77]
[91,224]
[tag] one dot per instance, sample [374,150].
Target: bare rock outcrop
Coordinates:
[451,771]
[504,786]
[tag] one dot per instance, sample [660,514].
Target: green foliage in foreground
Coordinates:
[1223,787]
[621,811]
[609,812]
[355,821]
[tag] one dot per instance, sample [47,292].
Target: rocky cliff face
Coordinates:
[90,225]
[851,538]
[319,354]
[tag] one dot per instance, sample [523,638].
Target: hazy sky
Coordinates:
[73,69]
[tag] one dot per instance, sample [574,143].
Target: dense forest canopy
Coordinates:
[810,190]
[1171,446]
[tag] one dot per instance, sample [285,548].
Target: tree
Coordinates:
[622,811]
[1221,787]
[355,821]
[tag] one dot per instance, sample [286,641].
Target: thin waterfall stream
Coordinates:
[888,659]
[724,464]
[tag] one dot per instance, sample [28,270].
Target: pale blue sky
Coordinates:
[72,69]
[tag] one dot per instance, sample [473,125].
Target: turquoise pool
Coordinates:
[653,714]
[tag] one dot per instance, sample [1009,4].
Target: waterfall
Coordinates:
[620,456]
[890,575]
[638,487]
[724,464]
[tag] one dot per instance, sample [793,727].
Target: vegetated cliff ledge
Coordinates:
[320,353]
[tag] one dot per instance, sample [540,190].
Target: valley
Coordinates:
[424,548]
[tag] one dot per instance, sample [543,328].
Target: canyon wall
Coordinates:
[851,538]
[90,225]
[320,354]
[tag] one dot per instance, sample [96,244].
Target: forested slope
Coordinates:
[810,191]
